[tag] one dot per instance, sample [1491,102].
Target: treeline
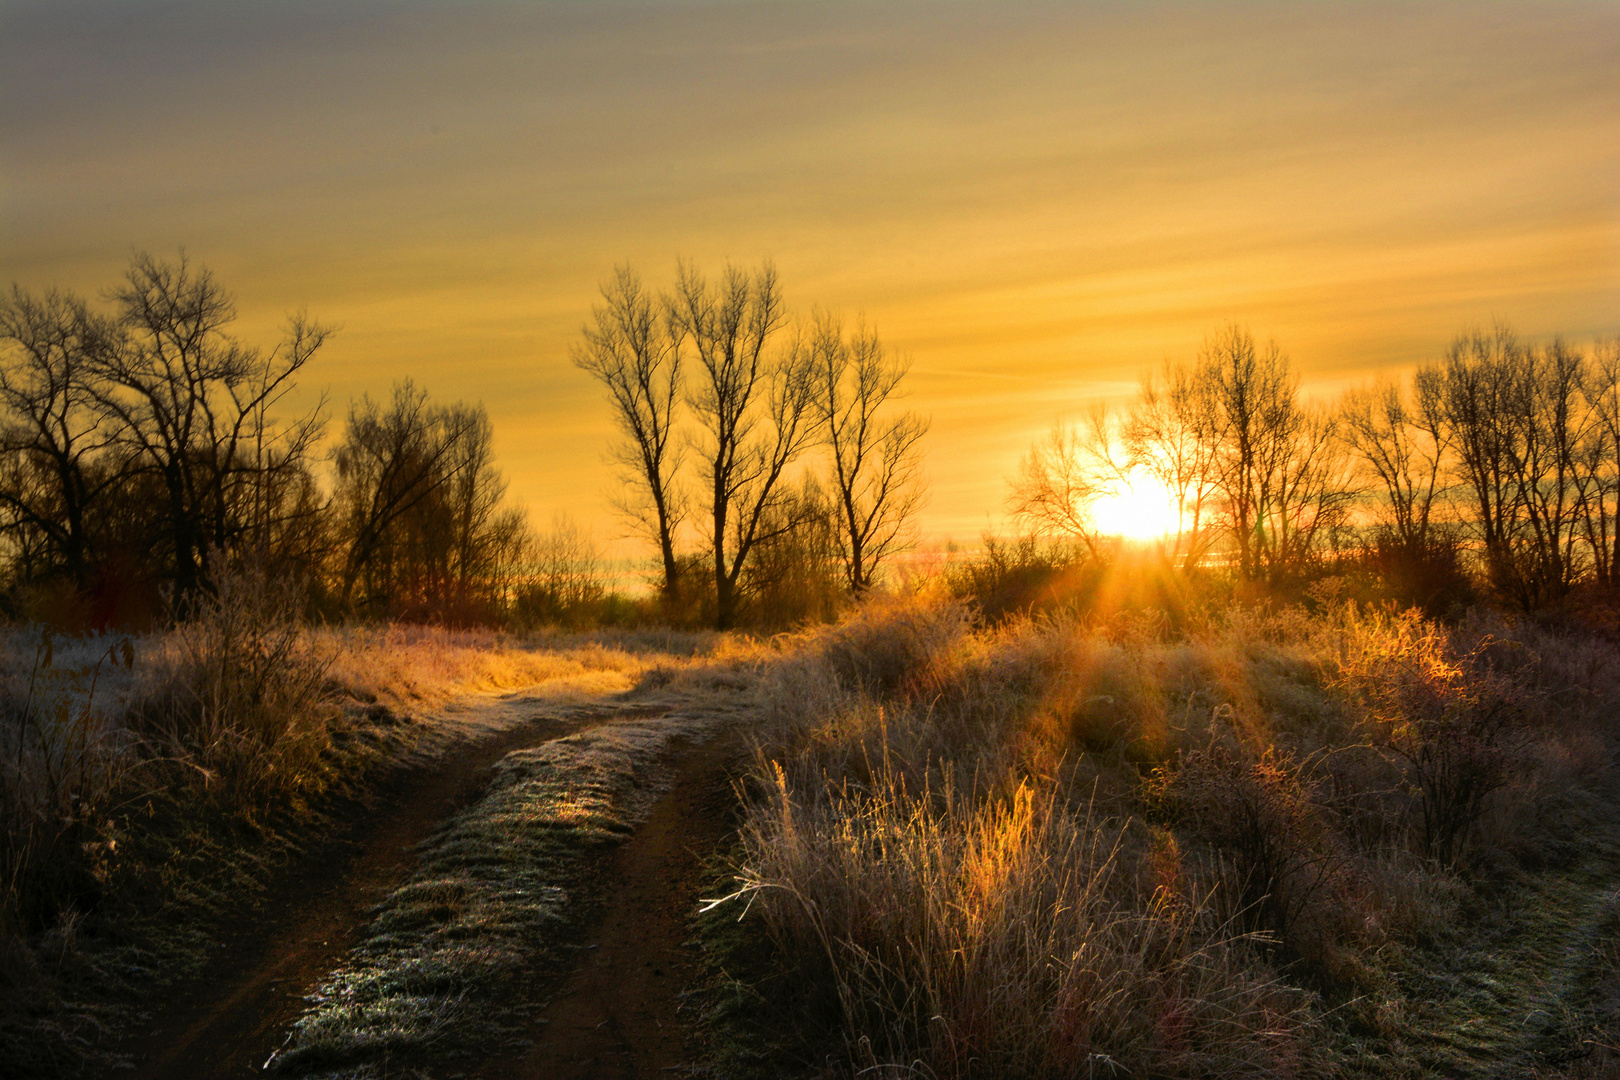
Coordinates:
[143,448]
[1496,467]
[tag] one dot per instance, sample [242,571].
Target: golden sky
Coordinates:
[1034,202]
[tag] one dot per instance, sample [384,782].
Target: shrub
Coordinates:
[239,693]
[890,642]
[1429,575]
[1452,718]
[1018,577]
[230,705]
[1284,861]
[59,768]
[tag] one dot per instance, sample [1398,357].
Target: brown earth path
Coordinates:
[620,1014]
[226,1022]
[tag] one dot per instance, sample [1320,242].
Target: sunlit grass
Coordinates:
[1060,845]
[417,665]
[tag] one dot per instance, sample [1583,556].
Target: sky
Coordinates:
[1033,203]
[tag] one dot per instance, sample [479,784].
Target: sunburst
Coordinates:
[1138,507]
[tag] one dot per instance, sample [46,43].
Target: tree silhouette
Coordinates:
[876,463]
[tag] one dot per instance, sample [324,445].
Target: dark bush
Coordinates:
[1280,857]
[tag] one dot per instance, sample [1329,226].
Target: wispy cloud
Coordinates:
[1042,199]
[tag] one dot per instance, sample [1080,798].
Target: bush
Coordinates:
[1430,576]
[239,695]
[889,642]
[61,767]
[1018,577]
[1451,716]
[1283,862]
[226,714]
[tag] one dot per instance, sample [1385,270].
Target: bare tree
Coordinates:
[1231,442]
[1400,439]
[1062,475]
[752,402]
[1310,493]
[1600,458]
[392,463]
[1255,393]
[485,533]
[634,350]
[876,463]
[1279,470]
[189,404]
[1546,456]
[1520,430]
[564,579]
[1479,378]
[50,478]
[797,573]
[1173,433]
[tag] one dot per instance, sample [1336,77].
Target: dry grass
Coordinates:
[409,667]
[1045,848]
[1053,849]
[1009,937]
[423,666]
[132,763]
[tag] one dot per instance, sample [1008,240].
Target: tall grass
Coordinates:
[1488,725]
[230,713]
[1008,937]
[236,698]
[1048,848]
[104,737]
[415,666]
[60,762]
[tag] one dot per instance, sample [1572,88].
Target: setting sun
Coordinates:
[1138,508]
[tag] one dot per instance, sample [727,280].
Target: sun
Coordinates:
[1138,507]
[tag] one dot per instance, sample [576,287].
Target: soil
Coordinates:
[620,1014]
[236,1013]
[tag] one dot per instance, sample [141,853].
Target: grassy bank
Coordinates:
[1257,848]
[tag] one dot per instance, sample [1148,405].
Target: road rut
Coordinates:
[229,1021]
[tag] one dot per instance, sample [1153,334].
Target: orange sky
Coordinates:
[1034,202]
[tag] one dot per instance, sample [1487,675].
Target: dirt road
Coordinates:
[617,1014]
[620,1014]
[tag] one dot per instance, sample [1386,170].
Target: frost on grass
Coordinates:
[455,955]
[1354,844]
[429,666]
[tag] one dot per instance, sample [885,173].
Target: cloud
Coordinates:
[1033,201]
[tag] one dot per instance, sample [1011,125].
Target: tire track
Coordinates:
[234,1015]
[617,1015]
